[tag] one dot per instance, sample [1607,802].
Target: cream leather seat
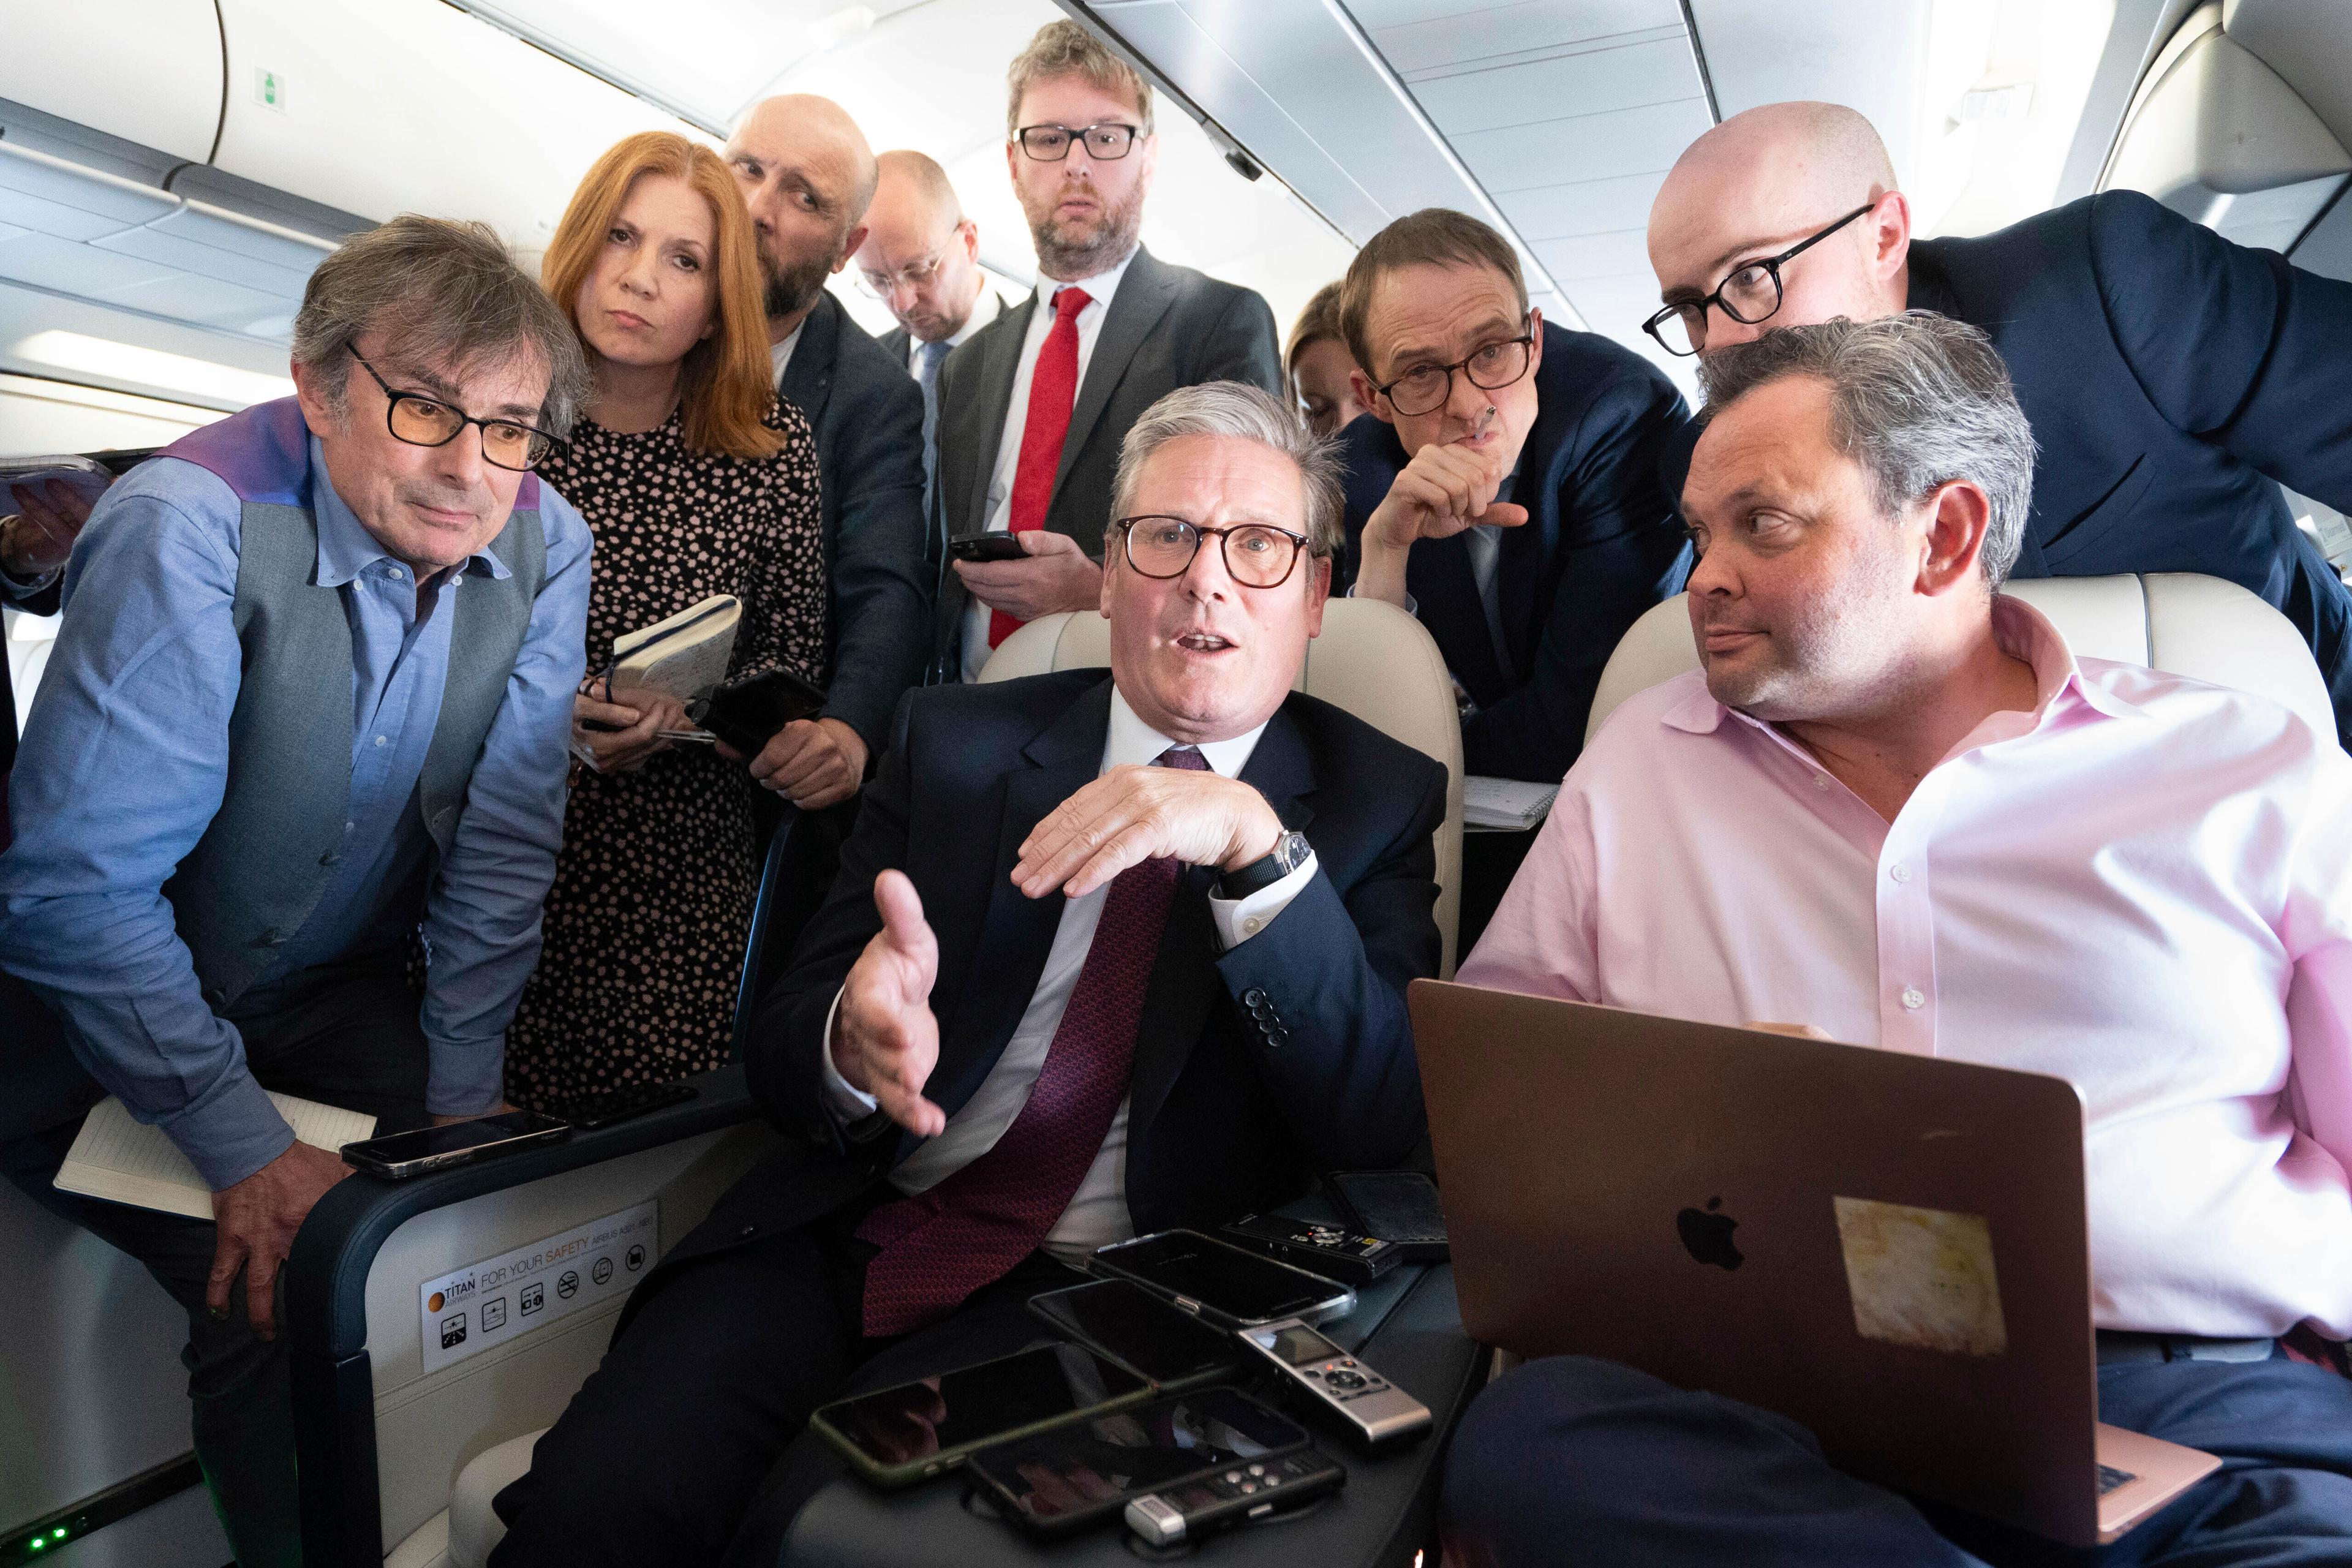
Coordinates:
[2176,621]
[1373,659]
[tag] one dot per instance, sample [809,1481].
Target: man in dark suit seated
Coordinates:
[1033,409]
[2170,375]
[808,175]
[1105,956]
[1505,487]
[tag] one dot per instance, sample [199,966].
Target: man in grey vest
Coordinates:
[312,692]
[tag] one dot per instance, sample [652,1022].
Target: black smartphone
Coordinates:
[995,544]
[918,1429]
[1328,1249]
[1141,1332]
[1220,1283]
[745,713]
[1082,1474]
[591,1111]
[399,1156]
[1401,1206]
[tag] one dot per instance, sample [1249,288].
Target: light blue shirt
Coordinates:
[125,760]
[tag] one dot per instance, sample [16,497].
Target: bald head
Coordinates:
[807,175]
[1765,180]
[921,254]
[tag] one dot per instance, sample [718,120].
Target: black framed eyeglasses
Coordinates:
[1051,144]
[1751,294]
[1490,368]
[1258,555]
[422,421]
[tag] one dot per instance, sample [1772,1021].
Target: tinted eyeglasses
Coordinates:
[1751,294]
[1051,144]
[1490,367]
[1258,555]
[422,421]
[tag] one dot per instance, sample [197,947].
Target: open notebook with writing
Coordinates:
[123,1162]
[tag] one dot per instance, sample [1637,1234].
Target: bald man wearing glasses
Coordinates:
[2174,380]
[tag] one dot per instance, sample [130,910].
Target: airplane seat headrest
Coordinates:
[2179,622]
[1372,660]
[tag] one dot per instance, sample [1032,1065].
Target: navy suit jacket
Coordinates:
[2170,376]
[868,413]
[1254,1069]
[1602,544]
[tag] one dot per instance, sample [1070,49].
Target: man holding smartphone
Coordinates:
[312,690]
[1106,957]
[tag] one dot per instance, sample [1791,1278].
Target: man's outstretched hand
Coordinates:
[885,1040]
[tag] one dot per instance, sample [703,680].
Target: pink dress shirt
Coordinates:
[2144,886]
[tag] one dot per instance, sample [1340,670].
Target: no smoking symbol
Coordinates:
[567,1283]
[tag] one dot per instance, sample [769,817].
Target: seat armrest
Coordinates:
[326,1285]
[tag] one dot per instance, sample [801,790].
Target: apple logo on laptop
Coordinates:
[1707,1235]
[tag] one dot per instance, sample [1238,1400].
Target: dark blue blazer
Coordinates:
[44,603]
[868,413]
[1254,1069]
[1602,544]
[2170,376]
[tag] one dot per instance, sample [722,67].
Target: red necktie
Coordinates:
[1053,388]
[969,1229]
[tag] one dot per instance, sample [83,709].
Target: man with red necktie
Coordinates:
[1032,406]
[1106,957]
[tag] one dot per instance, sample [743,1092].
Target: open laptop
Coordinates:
[1889,1248]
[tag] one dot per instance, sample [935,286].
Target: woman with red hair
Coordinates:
[695,481]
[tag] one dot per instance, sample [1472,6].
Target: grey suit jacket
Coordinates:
[1167,327]
[868,413]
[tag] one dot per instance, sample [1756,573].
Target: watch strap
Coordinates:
[1289,853]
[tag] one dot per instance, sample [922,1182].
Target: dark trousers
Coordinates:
[1576,1461]
[344,1034]
[689,1443]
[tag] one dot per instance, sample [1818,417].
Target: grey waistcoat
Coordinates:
[266,859]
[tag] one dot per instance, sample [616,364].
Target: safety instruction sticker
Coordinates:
[1922,1276]
[469,1310]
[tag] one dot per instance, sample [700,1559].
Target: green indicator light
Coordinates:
[38,1544]
[59,1533]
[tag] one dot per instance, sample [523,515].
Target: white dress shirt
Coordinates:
[983,310]
[1097,1214]
[1099,289]
[781,354]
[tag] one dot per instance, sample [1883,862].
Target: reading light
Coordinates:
[75,352]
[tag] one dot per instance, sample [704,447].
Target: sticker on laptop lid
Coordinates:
[1921,1277]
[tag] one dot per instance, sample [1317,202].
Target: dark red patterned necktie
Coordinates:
[943,1243]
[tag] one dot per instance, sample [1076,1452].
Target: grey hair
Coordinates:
[1917,399]
[1245,413]
[443,293]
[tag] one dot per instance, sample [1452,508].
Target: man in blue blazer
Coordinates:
[2170,375]
[1504,486]
[1106,956]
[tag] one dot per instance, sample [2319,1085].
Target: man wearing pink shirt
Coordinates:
[1892,805]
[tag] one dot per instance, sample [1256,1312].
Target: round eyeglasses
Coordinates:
[1491,367]
[1258,555]
[885,286]
[1751,294]
[1051,144]
[422,421]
